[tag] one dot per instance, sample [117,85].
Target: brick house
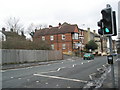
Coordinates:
[65,37]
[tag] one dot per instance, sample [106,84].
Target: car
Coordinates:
[114,54]
[88,56]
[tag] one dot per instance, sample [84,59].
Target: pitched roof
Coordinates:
[12,34]
[64,28]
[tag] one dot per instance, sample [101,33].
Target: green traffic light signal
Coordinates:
[107,30]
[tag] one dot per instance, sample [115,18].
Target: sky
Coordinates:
[84,13]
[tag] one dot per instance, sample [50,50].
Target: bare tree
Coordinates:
[14,24]
[31,28]
[39,26]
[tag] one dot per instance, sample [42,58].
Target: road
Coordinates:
[69,73]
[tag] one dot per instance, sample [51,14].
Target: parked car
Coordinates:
[88,56]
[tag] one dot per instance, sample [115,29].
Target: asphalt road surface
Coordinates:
[69,73]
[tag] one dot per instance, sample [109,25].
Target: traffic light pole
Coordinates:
[112,65]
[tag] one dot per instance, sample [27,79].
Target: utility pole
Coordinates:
[111,50]
[112,64]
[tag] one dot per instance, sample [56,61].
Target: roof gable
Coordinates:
[65,28]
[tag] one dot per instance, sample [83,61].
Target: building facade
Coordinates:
[100,41]
[65,37]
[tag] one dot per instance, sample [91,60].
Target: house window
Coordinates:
[43,38]
[52,46]
[75,36]
[63,37]
[51,38]
[75,45]
[63,46]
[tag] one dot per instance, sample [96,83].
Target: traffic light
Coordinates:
[114,24]
[107,21]
[100,24]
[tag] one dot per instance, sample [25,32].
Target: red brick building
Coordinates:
[65,37]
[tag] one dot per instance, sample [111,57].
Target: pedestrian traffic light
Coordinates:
[107,21]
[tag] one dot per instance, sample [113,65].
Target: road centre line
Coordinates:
[75,80]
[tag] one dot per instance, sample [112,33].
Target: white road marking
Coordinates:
[2,71]
[11,77]
[57,85]
[109,70]
[82,63]
[48,64]
[91,76]
[76,80]
[91,60]
[74,65]
[98,69]
[62,62]
[46,83]
[117,59]
[28,67]
[58,69]
[69,59]
[19,78]
[68,87]
[88,61]
[37,81]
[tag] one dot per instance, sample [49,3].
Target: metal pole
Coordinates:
[112,65]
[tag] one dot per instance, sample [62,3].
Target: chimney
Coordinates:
[3,29]
[50,26]
[94,31]
[59,25]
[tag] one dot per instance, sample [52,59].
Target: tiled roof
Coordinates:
[64,28]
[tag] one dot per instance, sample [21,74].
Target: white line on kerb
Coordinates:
[76,80]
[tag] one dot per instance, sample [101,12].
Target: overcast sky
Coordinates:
[51,12]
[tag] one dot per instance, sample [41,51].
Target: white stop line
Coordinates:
[76,80]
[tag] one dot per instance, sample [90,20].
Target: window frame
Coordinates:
[63,46]
[52,46]
[51,37]
[63,37]
[43,38]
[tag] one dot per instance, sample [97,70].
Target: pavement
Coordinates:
[107,83]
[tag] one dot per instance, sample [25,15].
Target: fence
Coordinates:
[21,56]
